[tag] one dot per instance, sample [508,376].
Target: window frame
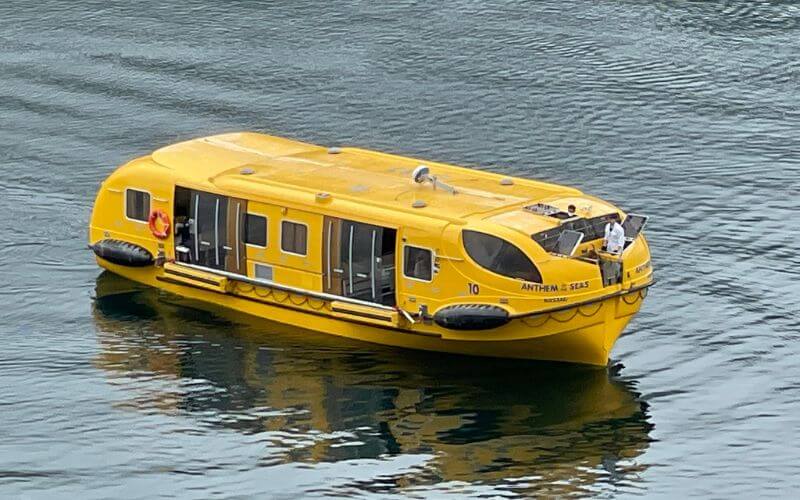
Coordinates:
[266,230]
[125,204]
[280,237]
[488,270]
[403,262]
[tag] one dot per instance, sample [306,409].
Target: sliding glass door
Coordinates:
[359,260]
[209,230]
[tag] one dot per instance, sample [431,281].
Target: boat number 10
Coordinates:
[474,289]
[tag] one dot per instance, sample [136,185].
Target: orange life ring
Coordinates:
[159,216]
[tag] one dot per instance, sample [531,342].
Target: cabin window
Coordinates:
[294,237]
[137,205]
[418,263]
[256,230]
[500,256]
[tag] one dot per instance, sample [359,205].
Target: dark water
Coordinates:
[687,111]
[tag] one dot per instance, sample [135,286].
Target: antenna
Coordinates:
[422,174]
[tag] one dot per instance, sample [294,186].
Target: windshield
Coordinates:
[500,256]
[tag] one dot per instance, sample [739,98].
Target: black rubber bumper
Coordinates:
[122,253]
[471,317]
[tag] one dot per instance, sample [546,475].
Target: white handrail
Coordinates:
[286,288]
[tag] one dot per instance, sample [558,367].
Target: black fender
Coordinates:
[471,317]
[122,253]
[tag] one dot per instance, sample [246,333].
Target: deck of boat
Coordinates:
[254,163]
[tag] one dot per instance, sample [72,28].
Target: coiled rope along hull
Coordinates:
[583,334]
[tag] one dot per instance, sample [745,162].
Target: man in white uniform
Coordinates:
[614,241]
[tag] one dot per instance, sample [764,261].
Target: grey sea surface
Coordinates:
[686,111]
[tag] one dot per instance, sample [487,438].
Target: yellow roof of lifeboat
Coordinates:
[256,165]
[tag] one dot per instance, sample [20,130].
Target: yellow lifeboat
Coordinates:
[376,247]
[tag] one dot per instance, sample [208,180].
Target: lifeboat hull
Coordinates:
[584,334]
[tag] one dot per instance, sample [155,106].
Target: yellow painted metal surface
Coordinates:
[182,275]
[357,312]
[570,316]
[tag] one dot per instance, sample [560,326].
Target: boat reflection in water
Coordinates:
[556,429]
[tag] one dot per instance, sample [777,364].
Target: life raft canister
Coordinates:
[162,217]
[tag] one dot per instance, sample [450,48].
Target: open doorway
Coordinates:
[359,260]
[209,230]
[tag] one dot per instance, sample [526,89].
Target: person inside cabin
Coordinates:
[183,230]
[614,240]
[422,265]
[571,211]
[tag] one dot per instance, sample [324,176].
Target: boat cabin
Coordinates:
[305,249]
[365,226]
